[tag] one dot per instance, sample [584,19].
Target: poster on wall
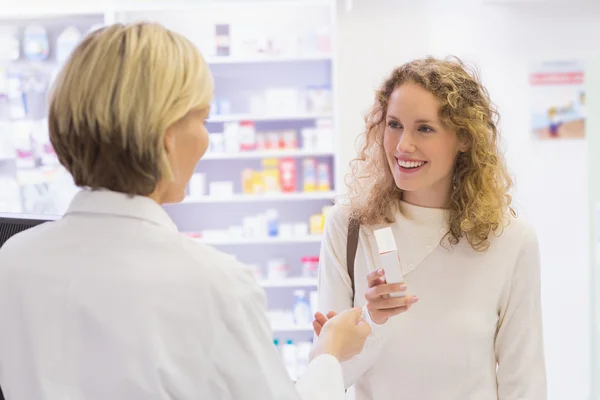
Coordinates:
[558,107]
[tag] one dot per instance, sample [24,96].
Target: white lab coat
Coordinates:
[111,302]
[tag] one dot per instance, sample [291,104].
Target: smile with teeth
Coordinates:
[410,164]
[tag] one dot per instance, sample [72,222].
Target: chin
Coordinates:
[407,186]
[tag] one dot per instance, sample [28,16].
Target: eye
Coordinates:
[394,124]
[425,129]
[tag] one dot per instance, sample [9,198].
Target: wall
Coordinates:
[551,177]
[594,180]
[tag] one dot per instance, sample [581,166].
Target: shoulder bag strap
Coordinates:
[352,245]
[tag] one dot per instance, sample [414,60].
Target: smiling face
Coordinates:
[420,151]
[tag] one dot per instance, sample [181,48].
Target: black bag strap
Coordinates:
[351,246]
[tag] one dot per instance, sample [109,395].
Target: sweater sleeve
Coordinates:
[519,344]
[335,292]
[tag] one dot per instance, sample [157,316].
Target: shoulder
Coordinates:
[335,234]
[224,272]
[517,232]
[229,284]
[188,264]
[515,239]
[24,241]
[338,217]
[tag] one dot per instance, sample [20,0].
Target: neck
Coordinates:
[156,198]
[436,196]
[158,195]
[167,193]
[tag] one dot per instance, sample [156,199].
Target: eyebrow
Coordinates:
[419,121]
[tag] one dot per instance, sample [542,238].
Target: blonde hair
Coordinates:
[480,200]
[113,101]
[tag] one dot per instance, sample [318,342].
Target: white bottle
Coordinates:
[302,356]
[35,43]
[388,254]
[288,353]
[66,42]
[302,312]
[272,222]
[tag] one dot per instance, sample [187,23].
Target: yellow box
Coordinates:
[317,222]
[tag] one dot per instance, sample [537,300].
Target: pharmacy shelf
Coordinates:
[246,198]
[288,282]
[274,117]
[45,10]
[279,153]
[253,59]
[76,7]
[292,328]
[262,241]
[183,5]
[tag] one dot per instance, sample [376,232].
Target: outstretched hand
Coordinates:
[320,320]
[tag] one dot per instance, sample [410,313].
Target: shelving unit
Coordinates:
[31,179]
[256,155]
[293,328]
[244,198]
[293,58]
[268,59]
[290,282]
[262,118]
[239,79]
[244,241]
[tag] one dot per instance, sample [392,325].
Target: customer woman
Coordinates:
[430,168]
[111,302]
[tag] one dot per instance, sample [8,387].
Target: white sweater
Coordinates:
[475,334]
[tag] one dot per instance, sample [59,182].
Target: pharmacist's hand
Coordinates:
[343,336]
[379,303]
[320,320]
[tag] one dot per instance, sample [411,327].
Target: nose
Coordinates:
[406,144]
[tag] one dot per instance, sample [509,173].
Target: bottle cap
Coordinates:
[385,240]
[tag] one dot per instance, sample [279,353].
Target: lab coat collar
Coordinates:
[105,202]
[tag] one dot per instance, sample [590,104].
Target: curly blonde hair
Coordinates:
[480,200]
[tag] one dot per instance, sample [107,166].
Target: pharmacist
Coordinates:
[111,302]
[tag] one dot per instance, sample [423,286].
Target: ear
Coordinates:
[463,144]
[169,140]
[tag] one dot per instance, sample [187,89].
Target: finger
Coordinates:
[390,288]
[374,277]
[391,302]
[384,314]
[317,327]
[331,314]
[353,314]
[320,318]
[364,329]
[378,291]
[357,313]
